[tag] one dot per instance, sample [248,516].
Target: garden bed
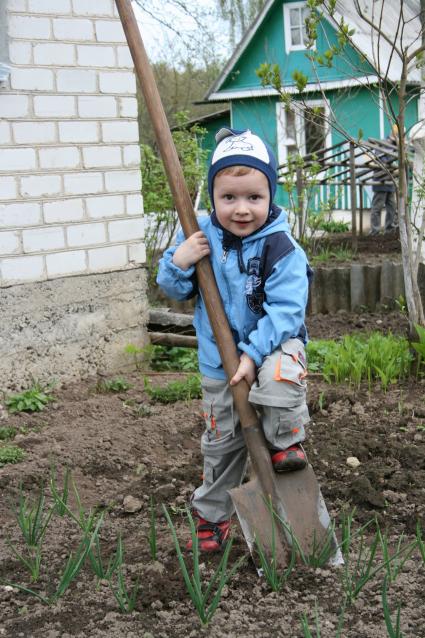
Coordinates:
[120,444]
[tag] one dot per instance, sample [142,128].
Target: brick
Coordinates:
[96,106]
[8,187]
[132,155]
[54,54]
[109,31]
[76,81]
[108,258]
[83,183]
[5,135]
[117,82]
[78,132]
[17,159]
[32,28]
[105,206]
[137,253]
[20,269]
[61,157]
[120,131]
[20,52]
[66,263]
[31,79]
[54,106]
[126,229]
[73,30]
[134,204]
[128,107]
[94,55]
[100,7]
[41,185]
[49,6]
[19,215]
[9,243]
[102,156]
[43,239]
[86,235]
[121,181]
[124,58]
[14,106]
[34,133]
[63,210]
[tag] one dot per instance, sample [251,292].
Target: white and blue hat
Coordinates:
[242,148]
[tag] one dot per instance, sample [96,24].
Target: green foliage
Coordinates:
[326,255]
[139,355]
[32,400]
[174,358]
[185,390]
[113,385]
[152,530]
[7,433]
[393,631]
[11,454]
[419,346]
[332,226]
[356,358]
[203,598]
[162,219]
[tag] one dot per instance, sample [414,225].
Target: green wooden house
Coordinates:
[349,95]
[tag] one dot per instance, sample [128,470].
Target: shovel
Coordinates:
[295,498]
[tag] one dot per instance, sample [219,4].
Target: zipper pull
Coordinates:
[224,256]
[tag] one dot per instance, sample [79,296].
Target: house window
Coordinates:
[294,16]
[303,129]
[4,56]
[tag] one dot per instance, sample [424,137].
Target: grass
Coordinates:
[327,255]
[118,384]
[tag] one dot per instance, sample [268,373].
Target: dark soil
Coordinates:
[121,444]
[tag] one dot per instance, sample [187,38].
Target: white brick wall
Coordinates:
[70,199]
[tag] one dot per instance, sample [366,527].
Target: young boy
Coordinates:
[262,275]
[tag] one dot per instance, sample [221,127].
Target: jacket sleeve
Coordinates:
[286,296]
[175,282]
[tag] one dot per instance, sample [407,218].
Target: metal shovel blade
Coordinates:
[299,503]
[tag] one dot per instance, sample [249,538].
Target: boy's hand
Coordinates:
[247,369]
[191,250]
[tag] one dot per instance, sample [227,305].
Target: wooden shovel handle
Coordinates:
[249,421]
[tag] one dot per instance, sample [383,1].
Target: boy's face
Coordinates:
[242,202]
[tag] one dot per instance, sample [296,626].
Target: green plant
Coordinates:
[72,568]
[126,600]
[394,565]
[7,433]
[138,354]
[393,631]
[400,303]
[327,255]
[10,454]
[175,358]
[185,390]
[274,575]
[420,541]
[32,400]
[85,520]
[419,346]
[306,627]
[152,530]
[204,601]
[333,226]
[113,385]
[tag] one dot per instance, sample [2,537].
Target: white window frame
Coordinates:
[287,26]
[283,142]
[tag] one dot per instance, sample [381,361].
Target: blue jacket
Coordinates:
[263,282]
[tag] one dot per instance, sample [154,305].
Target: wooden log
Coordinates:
[171,339]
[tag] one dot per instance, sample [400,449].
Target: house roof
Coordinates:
[376,49]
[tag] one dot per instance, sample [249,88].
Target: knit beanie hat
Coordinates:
[242,148]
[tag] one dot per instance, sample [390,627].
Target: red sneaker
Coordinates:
[289,460]
[212,537]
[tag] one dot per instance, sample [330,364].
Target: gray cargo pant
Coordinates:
[279,396]
[380,200]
